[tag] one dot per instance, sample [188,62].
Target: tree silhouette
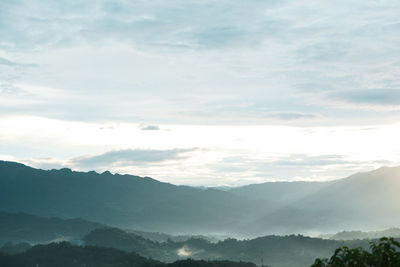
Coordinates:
[384,254]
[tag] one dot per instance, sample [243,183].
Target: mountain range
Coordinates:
[23,227]
[20,231]
[64,254]
[120,200]
[365,201]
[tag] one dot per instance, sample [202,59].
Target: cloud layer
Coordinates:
[205,62]
[130,157]
[135,85]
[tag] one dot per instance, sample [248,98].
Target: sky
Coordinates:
[210,92]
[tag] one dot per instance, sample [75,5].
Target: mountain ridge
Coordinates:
[365,201]
[125,200]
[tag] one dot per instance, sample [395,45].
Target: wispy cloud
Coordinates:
[244,169]
[150,128]
[379,96]
[307,160]
[217,55]
[131,156]
[291,116]
[4,61]
[10,63]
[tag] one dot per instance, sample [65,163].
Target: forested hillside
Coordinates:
[66,255]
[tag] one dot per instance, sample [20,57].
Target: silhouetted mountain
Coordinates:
[23,227]
[280,193]
[129,242]
[20,227]
[364,200]
[351,235]
[203,263]
[275,250]
[163,237]
[65,255]
[361,201]
[120,200]
[15,248]
[164,251]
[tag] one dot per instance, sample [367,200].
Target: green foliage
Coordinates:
[384,254]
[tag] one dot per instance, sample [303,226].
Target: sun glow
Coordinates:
[211,148]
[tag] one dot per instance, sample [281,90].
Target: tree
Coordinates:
[384,254]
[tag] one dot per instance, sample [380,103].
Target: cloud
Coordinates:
[6,88]
[131,156]
[381,96]
[7,62]
[288,162]
[4,61]
[245,169]
[292,116]
[200,63]
[216,54]
[46,163]
[303,160]
[324,51]
[149,127]
[219,36]
[187,251]
[139,22]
